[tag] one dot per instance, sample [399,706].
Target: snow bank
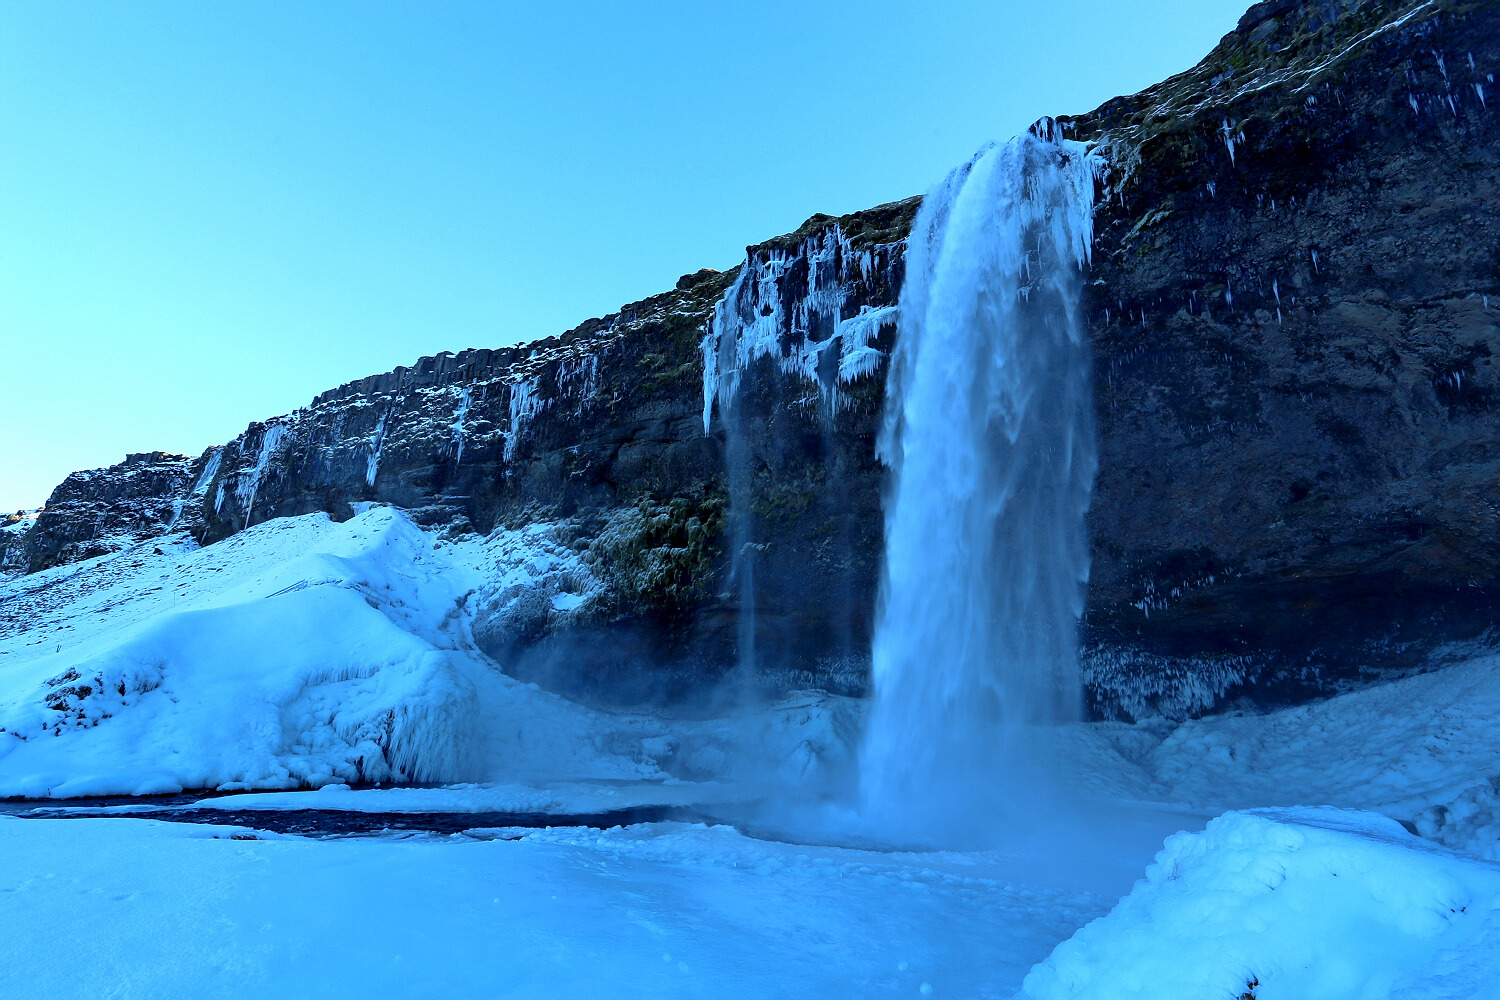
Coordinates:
[326,668]
[302,653]
[309,653]
[1424,750]
[1294,903]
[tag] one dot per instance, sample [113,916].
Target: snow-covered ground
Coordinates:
[95,908]
[1296,904]
[1423,750]
[304,654]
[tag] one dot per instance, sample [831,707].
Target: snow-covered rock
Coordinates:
[97,511]
[14,529]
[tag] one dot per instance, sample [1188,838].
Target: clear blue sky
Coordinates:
[209,212]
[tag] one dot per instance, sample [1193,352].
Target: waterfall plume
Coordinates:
[990,441]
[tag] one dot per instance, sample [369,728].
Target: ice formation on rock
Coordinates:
[464,399]
[250,480]
[524,404]
[808,335]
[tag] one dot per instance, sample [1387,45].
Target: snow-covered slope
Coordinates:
[1424,750]
[303,653]
[1294,903]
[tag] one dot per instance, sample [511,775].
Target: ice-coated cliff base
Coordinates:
[304,653]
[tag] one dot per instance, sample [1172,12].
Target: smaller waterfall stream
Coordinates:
[737,334]
[989,437]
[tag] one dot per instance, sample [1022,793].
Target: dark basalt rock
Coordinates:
[1296,352]
[95,512]
[14,528]
[1296,393]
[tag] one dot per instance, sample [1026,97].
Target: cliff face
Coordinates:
[1295,347]
[14,529]
[101,510]
[1295,385]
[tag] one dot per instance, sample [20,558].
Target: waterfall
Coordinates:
[738,333]
[989,438]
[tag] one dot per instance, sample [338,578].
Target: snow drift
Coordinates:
[341,663]
[1295,903]
[303,653]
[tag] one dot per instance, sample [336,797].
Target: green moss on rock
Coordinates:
[662,554]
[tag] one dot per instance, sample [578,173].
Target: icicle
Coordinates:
[524,404]
[249,485]
[377,441]
[457,429]
[200,487]
[709,347]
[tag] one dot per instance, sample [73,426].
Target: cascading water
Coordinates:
[737,333]
[989,437]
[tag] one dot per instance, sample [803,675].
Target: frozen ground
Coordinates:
[94,908]
[307,654]
[1309,903]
